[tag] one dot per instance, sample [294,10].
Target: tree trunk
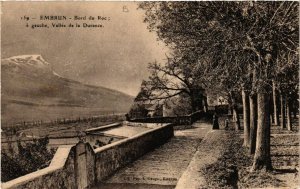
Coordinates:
[215,122]
[253,123]
[275,117]
[193,103]
[282,112]
[235,118]
[205,105]
[262,158]
[298,112]
[288,116]
[295,109]
[229,110]
[246,118]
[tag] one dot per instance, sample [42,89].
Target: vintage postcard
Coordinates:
[149,95]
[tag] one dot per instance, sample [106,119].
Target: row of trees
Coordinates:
[247,49]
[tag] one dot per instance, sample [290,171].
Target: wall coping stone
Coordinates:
[106,147]
[58,162]
[62,154]
[103,127]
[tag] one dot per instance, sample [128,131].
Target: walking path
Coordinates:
[208,153]
[162,167]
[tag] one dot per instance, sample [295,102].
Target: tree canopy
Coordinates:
[229,47]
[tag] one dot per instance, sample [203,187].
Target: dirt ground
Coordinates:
[232,170]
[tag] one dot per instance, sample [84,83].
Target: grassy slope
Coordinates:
[232,169]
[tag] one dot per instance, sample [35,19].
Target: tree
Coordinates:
[176,77]
[275,107]
[253,122]
[287,70]
[287,83]
[180,27]
[138,109]
[262,28]
[246,117]
[177,106]
[233,36]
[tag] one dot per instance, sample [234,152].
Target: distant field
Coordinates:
[64,133]
[47,113]
[59,129]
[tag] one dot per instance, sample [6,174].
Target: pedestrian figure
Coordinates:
[127,117]
[215,121]
[226,123]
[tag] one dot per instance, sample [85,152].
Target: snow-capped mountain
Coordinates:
[34,60]
[26,62]
[31,90]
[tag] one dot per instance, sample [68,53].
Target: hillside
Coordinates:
[31,90]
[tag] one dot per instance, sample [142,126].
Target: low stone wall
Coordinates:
[59,174]
[112,157]
[81,166]
[179,120]
[102,128]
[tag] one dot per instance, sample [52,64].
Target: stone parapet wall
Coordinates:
[81,166]
[114,156]
[179,120]
[59,174]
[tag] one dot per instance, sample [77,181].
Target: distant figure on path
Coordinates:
[215,121]
[226,124]
[127,117]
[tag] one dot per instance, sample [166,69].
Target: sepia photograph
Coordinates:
[150,94]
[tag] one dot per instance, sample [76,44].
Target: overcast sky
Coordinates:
[115,56]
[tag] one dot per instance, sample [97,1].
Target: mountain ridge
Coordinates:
[37,57]
[29,82]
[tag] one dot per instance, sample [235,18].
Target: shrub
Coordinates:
[31,157]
